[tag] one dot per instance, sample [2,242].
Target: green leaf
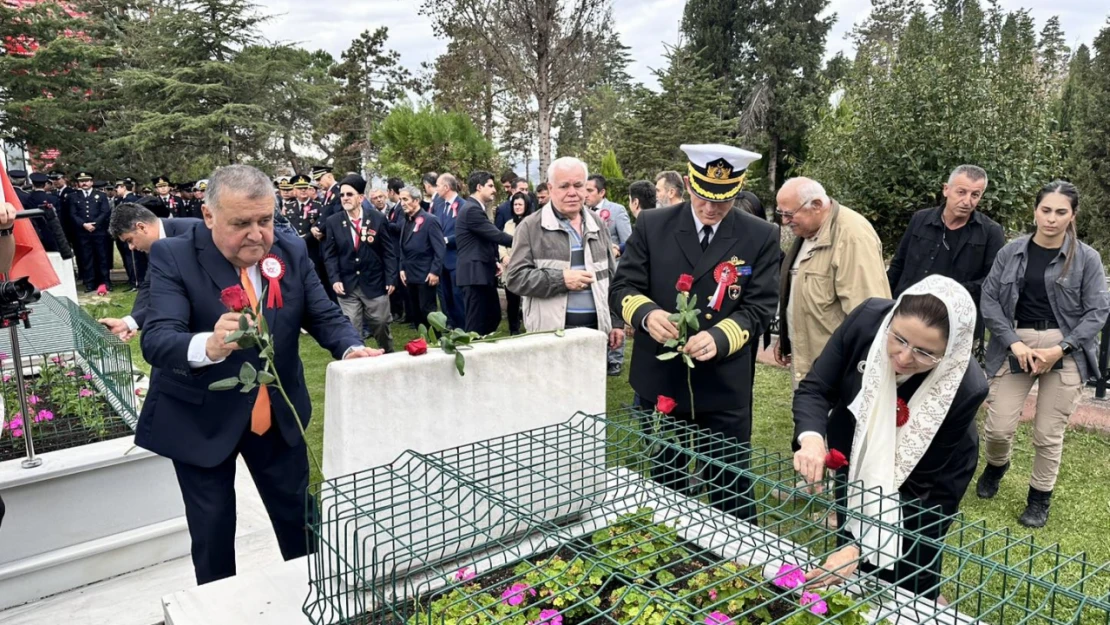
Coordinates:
[679,300]
[247,373]
[225,384]
[247,342]
[267,353]
[692,321]
[668,356]
[244,323]
[674,317]
[689,361]
[693,302]
[460,363]
[265,377]
[423,330]
[438,321]
[248,388]
[234,337]
[560,333]
[446,345]
[671,343]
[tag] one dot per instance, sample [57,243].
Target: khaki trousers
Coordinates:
[1058,394]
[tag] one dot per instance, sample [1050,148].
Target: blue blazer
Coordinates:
[374,266]
[174,227]
[448,217]
[423,249]
[93,209]
[478,239]
[183,420]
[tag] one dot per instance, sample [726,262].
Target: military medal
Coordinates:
[734,292]
[368,235]
[273,269]
[725,275]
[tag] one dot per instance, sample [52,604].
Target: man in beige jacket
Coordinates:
[834,264]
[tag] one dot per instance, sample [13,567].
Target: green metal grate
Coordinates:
[569,510]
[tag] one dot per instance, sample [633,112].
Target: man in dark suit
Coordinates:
[185,341]
[137,228]
[434,204]
[90,211]
[477,239]
[18,178]
[323,176]
[422,252]
[361,258]
[125,194]
[49,228]
[450,296]
[734,260]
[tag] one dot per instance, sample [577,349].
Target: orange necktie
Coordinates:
[260,415]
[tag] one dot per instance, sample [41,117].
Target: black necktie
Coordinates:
[706,232]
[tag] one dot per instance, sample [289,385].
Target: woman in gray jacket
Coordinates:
[1045,302]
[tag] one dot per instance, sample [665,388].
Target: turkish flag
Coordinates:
[30,258]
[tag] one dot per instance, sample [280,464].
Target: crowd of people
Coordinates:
[881,355]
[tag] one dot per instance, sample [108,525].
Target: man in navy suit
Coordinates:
[477,240]
[137,228]
[450,297]
[422,252]
[361,258]
[90,211]
[434,203]
[185,341]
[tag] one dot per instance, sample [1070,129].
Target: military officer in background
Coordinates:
[305,214]
[733,259]
[90,211]
[185,195]
[200,188]
[168,202]
[49,227]
[18,178]
[323,176]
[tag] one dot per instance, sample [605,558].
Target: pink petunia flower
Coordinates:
[712,594]
[56,360]
[718,618]
[462,575]
[514,595]
[548,617]
[45,415]
[32,399]
[85,393]
[816,604]
[71,374]
[17,433]
[7,378]
[790,576]
[87,376]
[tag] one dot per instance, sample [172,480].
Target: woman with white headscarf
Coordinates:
[896,391]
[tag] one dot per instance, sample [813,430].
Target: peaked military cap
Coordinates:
[717,171]
[157,180]
[319,170]
[100,184]
[83,175]
[17,173]
[284,184]
[201,185]
[301,181]
[56,175]
[38,177]
[124,181]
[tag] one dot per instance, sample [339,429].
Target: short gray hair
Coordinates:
[240,180]
[974,172]
[566,161]
[412,191]
[451,181]
[809,190]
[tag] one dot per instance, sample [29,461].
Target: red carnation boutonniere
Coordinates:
[903,412]
[835,460]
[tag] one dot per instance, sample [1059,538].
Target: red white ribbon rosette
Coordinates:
[725,274]
[419,222]
[273,269]
[605,214]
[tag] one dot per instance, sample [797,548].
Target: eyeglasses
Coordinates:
[921,356]
[790,214]
[348,194]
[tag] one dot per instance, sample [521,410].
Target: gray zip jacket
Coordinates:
[1079,300]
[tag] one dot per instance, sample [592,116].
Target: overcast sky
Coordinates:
[644,25]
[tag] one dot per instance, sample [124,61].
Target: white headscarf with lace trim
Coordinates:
[883,454]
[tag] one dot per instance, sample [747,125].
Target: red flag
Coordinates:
[30,258]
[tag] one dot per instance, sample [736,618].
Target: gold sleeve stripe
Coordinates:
[737,336]
[630,304]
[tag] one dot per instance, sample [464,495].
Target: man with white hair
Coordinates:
[562,260]
[834,264]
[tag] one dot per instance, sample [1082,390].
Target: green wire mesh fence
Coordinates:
[598,521]
[79,379]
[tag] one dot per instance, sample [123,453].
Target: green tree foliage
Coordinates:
[960,86]
[616,187]
[414,140]
[1087,103]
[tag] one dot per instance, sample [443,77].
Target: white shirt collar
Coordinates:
[698,225]
[161,230]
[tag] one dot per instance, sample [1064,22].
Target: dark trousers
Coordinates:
[281,474]
[129,259]
[142,261]
[671,461]
[512,311]
[398,302]
[315,252]
[483,309]
[451,299]
[421,302]
[95,259]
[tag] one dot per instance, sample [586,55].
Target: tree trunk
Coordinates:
[290,155]
[544,123]
[487,111]
[772,163]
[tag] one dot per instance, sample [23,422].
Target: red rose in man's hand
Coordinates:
[685,283]
[416,347]
[835,460]
[235,298]
[665,404]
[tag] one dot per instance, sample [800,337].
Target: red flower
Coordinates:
[665,404]
[416,347]
[903,412]
[102,289]
[685,283]
[835,460]
[235,298]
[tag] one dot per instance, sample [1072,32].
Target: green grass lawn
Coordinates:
[1080,509]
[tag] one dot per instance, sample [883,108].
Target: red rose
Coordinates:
[665,404]
[685,283]
[235,298]
[903,412]
[102,289]
[835,460]
[416,347]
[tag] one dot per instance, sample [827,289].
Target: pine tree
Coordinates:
[415,140]
[1088,104]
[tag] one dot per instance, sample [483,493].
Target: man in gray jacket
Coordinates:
[619,225]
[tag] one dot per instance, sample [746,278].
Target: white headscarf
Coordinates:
[884,455]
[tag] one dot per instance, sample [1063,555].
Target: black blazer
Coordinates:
[918,250]
[477,240]
[174,228]
[423,248]
[942,475]
[374,266]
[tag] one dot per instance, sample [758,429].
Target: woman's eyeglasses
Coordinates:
[921,356]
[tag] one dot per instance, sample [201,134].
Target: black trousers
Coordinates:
[398,302]
[129,259]
[281,474]
[95,258]
[512,311]
[729,489]
[483,308]
[421,302]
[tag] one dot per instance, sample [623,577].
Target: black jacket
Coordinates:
[664,244]
[49,227]
[942,475]
[923,239]
[477,239]
[92,209]
[373,266]
[422,248]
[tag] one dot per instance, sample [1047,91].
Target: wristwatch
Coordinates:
[1067,347]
